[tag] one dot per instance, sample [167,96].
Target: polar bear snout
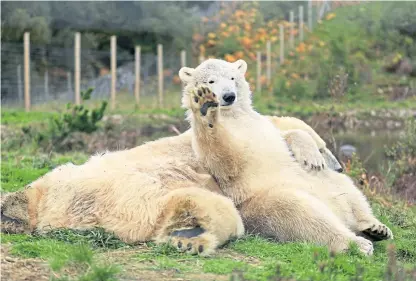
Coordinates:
[228,98]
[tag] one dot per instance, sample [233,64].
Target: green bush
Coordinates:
[77,118]
[398,28]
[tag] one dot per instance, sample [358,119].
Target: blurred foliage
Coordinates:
[360,52]
[145,23]
[240,29]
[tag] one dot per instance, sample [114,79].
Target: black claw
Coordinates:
[306,163]
[319,168]
[211,126]
[200,248]
[200,93]
[179,244]
[323,166]
[196,99]
[189,246]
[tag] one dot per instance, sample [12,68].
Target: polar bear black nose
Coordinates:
[229,98]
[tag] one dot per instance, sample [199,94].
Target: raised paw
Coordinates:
[193,241]
[378,232]
[204,100]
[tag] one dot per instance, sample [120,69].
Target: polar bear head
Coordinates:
[224,78]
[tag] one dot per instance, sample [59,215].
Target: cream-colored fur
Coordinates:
[157,191]
[253,166]
[145,193]
[142,194]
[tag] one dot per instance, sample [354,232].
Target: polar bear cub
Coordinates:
[253,166]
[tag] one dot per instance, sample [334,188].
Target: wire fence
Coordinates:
[52,73]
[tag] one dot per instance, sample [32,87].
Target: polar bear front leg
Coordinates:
[197,221]
[213,144]
[292,215]
[367,224]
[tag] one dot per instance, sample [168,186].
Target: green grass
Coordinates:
[85,252]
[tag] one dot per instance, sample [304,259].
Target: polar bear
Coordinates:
[157,191]
[154,192]
[252,164]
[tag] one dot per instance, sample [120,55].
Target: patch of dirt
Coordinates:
[132,269]
[16,269]
[140,270]
[227,253]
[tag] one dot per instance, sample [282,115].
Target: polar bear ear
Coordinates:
[241,66]
[186,74]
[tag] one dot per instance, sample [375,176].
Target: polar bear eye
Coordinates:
[232,78]
[211,81]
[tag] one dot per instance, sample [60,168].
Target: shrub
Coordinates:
[77,118]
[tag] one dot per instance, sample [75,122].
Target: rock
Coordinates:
[346,151]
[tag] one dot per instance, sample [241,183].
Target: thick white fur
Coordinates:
[145,193]
[141,194]
[253,166]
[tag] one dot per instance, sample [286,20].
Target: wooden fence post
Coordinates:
[19,82]
[268,62]
[46,83]
[68,83]
[26,38]
[318,12]
[183,58]
[113,71]
[160,72]
[183,61]
[292,30]
[301,23]
[258,85]
[310,24]
[201,59]
[77,71]
[282,44]
[137,71]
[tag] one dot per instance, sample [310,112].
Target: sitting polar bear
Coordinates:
[249,159]
[158,191]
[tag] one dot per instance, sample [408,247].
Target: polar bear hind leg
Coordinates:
[197,221]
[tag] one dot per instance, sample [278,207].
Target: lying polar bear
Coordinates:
[252,164]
